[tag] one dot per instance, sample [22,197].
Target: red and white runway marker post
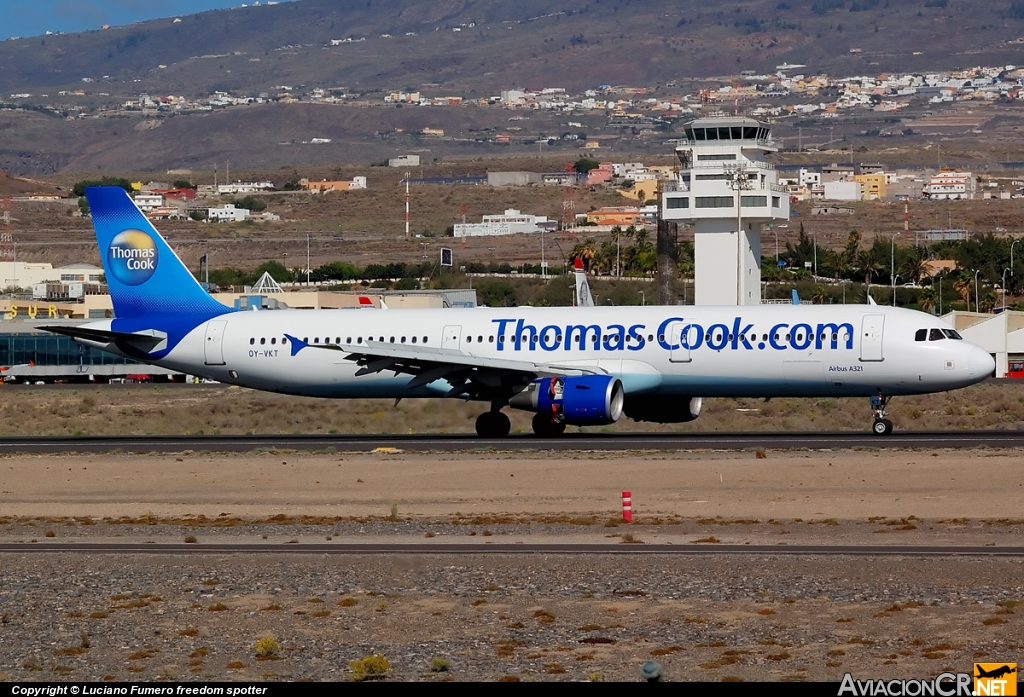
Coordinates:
[627,506]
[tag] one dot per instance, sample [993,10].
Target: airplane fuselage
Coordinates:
[758,351]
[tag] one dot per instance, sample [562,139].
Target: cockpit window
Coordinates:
[935,335]
[952,334]
[921,335]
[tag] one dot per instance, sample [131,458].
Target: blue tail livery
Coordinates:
[144,275]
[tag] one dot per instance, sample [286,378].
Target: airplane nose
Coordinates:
[980,363]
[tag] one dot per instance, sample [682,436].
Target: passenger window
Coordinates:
[262,341]
[305,339]
[337,339]
[501,339]
[650,337]
[469,340]
[284,340]
[316,340]
[273,340]
[392,340]
[403,339]
[252,341]
[479,340]
[490,339]
[424,340]
[348,340]
[382,340]
[359,340]
[414,340]
[935,335]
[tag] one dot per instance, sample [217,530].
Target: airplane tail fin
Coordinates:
[583,296]
[144,275]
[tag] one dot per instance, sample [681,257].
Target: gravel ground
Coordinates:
[529,617]
[135,616]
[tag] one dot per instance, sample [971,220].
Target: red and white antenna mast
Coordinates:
[406,205]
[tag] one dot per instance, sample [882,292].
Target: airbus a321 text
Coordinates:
[581,365]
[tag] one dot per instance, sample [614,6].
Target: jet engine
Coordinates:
[584,400]
[663,410]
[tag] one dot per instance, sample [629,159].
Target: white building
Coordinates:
[227,212]
[842,191]
[404,161]
[148,202]
[950,185]
[809,178]
[1002,335]
[510,222]
[720,158]
[244,187]
[22,274]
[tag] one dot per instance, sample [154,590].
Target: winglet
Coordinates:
[296,344]
[577,264]
[796,297]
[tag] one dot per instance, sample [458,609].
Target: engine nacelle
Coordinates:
[583,400]
[663,410]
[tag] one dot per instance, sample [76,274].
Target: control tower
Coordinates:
[722,159]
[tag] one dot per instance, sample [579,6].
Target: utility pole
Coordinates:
[307,258]
[739,183]
[406,205]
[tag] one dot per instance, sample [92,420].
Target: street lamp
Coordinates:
[643,298]
[1011,256]
[892,266]
[1004,287]
[976,305]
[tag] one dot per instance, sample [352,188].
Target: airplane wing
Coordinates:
[475,377]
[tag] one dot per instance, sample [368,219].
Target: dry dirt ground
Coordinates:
[509,616]
[166,409]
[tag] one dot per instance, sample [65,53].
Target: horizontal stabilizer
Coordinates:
[145,341]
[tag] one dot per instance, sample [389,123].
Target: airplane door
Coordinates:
[215,342]
[681,341]
[871,338]
[452,337]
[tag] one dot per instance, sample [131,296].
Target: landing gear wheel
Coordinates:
[543,427]
[493,424]
[882,427]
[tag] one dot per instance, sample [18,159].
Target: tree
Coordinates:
[585,164]
[868,265]
[79,188]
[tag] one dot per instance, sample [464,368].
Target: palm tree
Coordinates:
[585,250]
[868,265]
[926,299]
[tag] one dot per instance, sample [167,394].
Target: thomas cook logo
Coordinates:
[132,257]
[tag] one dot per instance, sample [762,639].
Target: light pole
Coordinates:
[892,266]
[1011,256]
[814,236]
[1004,289]
[643,298]
[976,305]
[776,233]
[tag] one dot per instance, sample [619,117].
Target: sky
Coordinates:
[34,17]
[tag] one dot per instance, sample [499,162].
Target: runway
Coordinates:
[701,550]
[469,442]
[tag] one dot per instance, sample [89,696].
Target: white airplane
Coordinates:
[568,365]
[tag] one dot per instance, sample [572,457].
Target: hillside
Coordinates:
[579,44]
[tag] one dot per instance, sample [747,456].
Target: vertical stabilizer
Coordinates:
[144,275]
[583,296]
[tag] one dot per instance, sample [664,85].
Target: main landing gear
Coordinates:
[881,426]
[545,426]
[493,424]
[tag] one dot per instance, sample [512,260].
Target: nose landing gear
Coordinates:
[881,426]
